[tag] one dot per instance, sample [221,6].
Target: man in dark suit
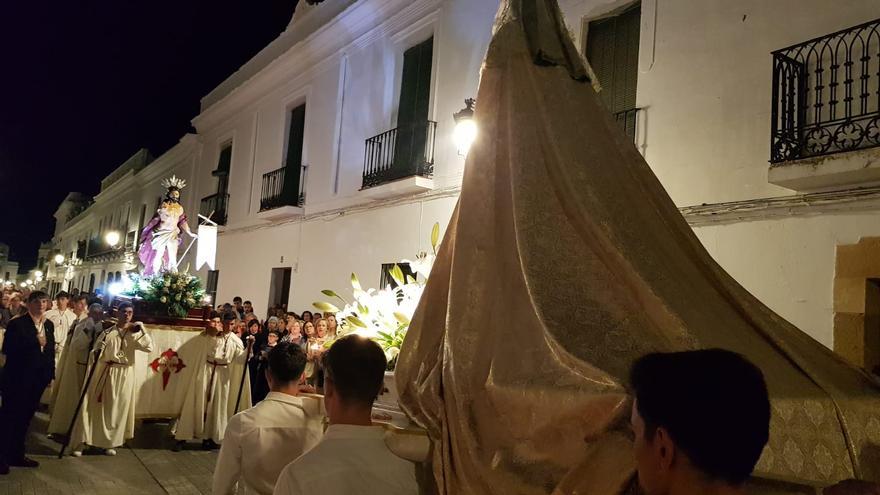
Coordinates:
[29,349]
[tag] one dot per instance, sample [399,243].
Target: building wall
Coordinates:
[704,87]
[707,89]
[350,95]
[789,263]
[324,251]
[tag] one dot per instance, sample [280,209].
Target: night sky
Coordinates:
[86,84]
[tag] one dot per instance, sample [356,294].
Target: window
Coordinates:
[412,111]
[224,163]
[292,187]
[613,52]
[211,286]
[386,279]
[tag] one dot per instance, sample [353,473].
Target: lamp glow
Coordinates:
[38,274]
[112,238]
[28,282]
[115,288]
[465,131]
[59,258]
[23,284]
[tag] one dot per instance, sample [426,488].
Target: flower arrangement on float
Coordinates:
[176,292]
[384,314]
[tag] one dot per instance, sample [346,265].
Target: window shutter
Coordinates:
[293,162]
[412,114]
[613,52]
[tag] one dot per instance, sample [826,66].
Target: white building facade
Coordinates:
[355,99]
[330,152]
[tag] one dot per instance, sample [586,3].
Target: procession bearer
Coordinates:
[107,418]
[213,392]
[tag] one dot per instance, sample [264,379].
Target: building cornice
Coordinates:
[850,200]
[354,28]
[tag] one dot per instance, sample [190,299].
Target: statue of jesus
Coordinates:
[161,237]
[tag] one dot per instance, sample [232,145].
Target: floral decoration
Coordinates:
[384,315]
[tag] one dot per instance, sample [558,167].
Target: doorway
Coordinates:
[279,288]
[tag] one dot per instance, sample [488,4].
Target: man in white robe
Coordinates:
[107,417]
[72,369]
[212,394]
[63,319]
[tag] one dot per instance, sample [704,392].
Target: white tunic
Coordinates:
[71,374]
[107,418]
[260,441]
[63,322]
[210,400]
[349,459]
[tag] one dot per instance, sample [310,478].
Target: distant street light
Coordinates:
[112,238]
[38,274]
[28,282]
[59,258]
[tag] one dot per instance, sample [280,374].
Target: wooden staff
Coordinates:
[85,390]
[244,372]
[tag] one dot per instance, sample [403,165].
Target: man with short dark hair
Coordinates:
[248,307]
[107,416]
[73,365]
[260,441]
[352,457]
[218,355]
[29,348]
[239,309]
[79,305]
[701,420]
[63,319]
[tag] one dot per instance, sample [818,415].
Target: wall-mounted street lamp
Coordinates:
[465,131]
[112,238]
[38,274]
[59,259]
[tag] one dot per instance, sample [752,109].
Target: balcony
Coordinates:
[628,120]
[283,193]
[99,250]
[826,102]
[404,154]
[214,207]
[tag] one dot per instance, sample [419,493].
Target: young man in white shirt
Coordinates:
[352,456]
[260,441]
[63,319]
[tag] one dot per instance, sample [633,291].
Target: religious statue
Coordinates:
[161,237]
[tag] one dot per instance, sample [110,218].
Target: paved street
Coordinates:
[145,466]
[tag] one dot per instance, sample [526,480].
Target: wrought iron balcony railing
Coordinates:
[214,207]
[399,153]
[628,121]
[826,94]
[281,188]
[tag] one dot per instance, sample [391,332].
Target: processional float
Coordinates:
[564,261]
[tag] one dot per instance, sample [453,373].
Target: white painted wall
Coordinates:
[325,250]
[704,82]
[707,92]
[788,263]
